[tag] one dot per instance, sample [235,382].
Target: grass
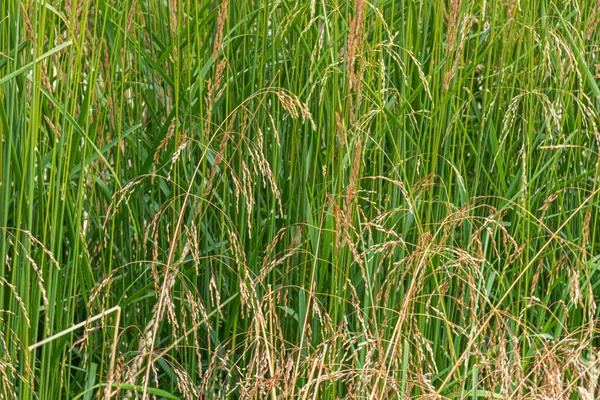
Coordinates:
[299,199]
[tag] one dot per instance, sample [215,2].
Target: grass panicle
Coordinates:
[304,199]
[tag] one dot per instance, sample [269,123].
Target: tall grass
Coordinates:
[299,199]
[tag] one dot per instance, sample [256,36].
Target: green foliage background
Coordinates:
[299,199]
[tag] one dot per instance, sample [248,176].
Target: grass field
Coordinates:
[299,199]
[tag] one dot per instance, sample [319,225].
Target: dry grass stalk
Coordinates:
[355,38]
[222,16]
[351,190]
[355,70]
[173,9]
[130,17]
[593,20]
[54,129]
[214,91]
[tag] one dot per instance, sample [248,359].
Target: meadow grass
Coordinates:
[307,199]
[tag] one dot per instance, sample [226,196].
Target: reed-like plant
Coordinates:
[299,199]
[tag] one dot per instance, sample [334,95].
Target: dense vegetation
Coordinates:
[299,199]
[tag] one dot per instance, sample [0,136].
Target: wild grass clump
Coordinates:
[301,199]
